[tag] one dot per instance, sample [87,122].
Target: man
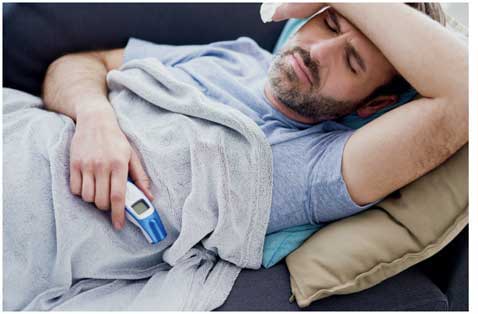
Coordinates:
[336,64]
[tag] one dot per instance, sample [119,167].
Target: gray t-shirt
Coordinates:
[307,178]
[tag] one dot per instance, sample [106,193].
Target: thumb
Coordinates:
[139,176]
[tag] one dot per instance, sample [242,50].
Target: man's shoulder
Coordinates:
[240,41]
[242,44]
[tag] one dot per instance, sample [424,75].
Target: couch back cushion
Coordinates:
[35,34]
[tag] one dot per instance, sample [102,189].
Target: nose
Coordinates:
[328,51]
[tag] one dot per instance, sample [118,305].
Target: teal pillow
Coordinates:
[279,244]
[290,28]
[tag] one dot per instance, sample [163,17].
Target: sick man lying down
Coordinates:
[348,59]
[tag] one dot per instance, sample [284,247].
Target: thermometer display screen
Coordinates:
[140,207]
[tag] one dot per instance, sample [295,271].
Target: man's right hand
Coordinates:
[100,154]
[100,158]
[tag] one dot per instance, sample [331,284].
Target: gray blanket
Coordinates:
[211,172]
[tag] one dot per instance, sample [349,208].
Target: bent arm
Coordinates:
[411,140]
[77,82]
[100,155]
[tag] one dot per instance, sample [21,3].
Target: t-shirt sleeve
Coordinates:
[329,198]
[167,54]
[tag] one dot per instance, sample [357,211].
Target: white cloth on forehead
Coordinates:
[267,11]
[269,8]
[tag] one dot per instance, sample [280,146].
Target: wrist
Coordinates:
[96,114]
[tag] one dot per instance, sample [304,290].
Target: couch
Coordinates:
[34,35]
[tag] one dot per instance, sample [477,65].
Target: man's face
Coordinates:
[328,68]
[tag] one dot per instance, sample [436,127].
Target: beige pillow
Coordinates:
[361,251]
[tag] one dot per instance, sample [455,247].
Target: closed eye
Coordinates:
[352,54]
[331,22]
[349,63]
[334,26]
[332,29]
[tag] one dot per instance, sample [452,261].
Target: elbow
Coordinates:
[454,88]
[46,90]
[457,116]
[458,97]
[62,67]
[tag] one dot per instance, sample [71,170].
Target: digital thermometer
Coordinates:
[142,213]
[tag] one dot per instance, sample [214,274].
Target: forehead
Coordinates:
[313,31]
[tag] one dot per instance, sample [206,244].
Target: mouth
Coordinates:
[298,70]
[301,69]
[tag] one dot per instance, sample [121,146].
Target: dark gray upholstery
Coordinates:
[269,290]
[449,271]
[34,35]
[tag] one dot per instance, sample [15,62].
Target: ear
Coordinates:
[376,104]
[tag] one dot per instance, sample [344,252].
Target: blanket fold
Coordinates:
[211,174]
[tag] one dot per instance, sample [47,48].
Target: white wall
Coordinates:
[457,10]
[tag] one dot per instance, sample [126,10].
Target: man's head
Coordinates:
[329,69]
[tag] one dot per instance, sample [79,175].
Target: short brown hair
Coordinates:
[433,10]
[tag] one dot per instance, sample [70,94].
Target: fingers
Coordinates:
[100,155]
[102,186]
[139,176]
[296,10]
[88,185]
[75,177]
[119,177]
[105,184]
[99,163]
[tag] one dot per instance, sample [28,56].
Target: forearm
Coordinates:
[429,57]
[411,140]
[76,83]
[101,157]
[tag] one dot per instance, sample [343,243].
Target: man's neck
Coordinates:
[277,104]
